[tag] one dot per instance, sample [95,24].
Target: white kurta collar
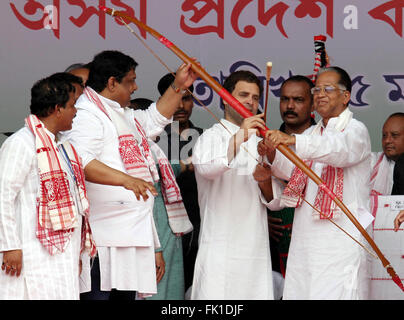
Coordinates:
[229,125]
[334,123]
[111,103]
[117,115]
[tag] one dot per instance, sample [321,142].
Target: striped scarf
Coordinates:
[177,215]
[332,177]
[57,213]
[139,162]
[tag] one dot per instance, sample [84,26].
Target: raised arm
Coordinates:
[168,103]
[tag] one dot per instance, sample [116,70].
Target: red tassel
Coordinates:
[398,282]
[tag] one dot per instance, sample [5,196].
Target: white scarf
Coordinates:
[137,158]
[381,181]
[381,177]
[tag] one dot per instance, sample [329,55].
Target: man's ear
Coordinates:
[56,110]
[111,84]
[347,97]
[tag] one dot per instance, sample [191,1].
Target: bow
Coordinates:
[240,109]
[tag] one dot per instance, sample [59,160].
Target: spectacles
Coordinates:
[326,89]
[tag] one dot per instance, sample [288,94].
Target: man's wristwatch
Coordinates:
[177,90]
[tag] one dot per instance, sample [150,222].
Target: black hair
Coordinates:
[108,64]
[140,103]
[241,75]
[397,114]
[165,82]
[299,78]
[51,91]
[344,78]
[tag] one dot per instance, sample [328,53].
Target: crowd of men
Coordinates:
[107,198]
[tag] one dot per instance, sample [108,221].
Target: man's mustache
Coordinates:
[290,113]
[180,112]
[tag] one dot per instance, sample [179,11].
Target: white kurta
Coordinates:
[122,226]
[233,260]
[323,262]
[389,242]
[43,276]
[383,182]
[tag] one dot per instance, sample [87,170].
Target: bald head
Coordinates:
[393,136]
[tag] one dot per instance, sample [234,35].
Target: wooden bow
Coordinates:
[237,106]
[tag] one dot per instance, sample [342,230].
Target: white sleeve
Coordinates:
[265,202]
[16,159]
[277,190]
[152,121]
[339,149]
[86,136]
[282,167]
[209,155]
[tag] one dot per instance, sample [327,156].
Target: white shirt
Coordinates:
[233,260]
[43,276]
[122,226]
[323,262]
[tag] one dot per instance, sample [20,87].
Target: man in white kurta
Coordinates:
[121,205]
[323,262]
[122,225]
[43,276]
[381,184]
[383,163]
[19,178]
[233,260]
